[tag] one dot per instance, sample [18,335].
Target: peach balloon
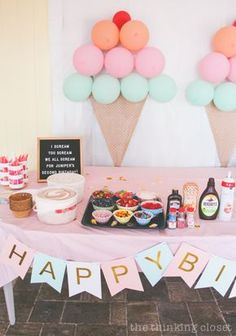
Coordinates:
[224,41]
[232,71]
[105,34]
[134,35]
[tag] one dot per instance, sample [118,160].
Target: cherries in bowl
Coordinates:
[155,207]
[127,204]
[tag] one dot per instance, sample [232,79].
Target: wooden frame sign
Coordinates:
[58,155]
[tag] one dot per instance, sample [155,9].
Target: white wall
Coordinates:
[179,133]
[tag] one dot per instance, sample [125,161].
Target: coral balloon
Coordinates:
[232,70]
[106,89]
[77,87]
[134,35]
[119,62]
[225,97]
[88,60]
[120,18]
[105,34]
[134,88]
[214,67]
[149,62]
[200,93]
[162,88]
[224,41]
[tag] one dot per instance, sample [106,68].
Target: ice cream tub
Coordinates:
[56,205]
[71,180]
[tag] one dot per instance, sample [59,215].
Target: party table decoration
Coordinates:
[58,155]
[124,71]
[216,90]
[14,171]
[125,212]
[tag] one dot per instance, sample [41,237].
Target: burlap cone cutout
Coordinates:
[223,125]
[117,122]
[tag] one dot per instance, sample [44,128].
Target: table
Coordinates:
[74,241]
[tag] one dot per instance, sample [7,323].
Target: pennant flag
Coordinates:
[117,122]
[121,274]
[154,261]
[17,256]
[188,263]
[233,291]
[84,277]
[219,274]
[7,275]
[225,137]
[49,270]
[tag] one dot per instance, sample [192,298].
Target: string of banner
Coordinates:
[193,265]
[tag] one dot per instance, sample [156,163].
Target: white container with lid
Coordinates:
[56,205]
[71,180]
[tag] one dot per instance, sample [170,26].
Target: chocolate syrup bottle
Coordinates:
[209,202]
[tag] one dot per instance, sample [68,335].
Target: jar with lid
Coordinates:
[181,223]
[190,218]
[171,220]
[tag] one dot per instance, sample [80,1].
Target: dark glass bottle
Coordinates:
[209,202]
[174,201]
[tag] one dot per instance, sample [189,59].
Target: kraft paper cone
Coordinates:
[223,125]
[117,122]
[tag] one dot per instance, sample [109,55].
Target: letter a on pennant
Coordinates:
[121,274]
[49,270]
[17,256]
[188,263]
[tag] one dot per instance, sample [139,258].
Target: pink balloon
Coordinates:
[119,62]
[232,70]
[214,67]
[149,62]
[88,60]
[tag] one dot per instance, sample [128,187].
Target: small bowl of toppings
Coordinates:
[143,217]
[123,216]
[103,204]
[127,204]
[102,216]
[155,207]
[102,194]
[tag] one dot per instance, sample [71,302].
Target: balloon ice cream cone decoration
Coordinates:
[216,90]
[117,72]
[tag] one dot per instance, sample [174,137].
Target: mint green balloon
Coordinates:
[106,89]
[77,87]
[200,93]
[225,97]
[162,88]
[134,88]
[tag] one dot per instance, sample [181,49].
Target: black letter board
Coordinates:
[58,155]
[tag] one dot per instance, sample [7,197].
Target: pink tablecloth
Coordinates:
[77,242]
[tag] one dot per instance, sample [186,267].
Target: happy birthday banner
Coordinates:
[196,267]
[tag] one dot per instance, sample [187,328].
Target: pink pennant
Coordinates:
[17,256]
[121,274]
[188,263]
